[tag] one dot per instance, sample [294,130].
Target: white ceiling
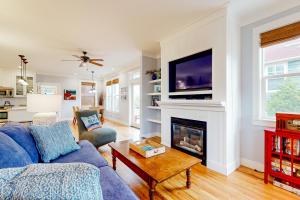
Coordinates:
[116,30]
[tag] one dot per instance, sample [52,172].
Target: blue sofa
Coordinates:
[17,149]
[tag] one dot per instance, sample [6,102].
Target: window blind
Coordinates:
[279,35]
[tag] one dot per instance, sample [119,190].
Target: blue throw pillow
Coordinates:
[91,122]
[21,135]
[51,181]
[12,154]
[54,140]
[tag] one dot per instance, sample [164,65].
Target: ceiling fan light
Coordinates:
[84,64]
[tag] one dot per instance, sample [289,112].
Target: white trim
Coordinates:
[257,65]
[252,164]
[116,121]
[264,123]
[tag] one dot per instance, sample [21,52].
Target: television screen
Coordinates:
[192,73]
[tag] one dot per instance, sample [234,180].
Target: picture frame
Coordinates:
[69,94]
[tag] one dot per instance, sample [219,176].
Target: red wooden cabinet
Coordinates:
[282,149]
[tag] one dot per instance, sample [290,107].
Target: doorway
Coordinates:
[135,105]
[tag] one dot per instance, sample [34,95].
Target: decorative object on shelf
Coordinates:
[147,148]
[93,89]
[282,150]
[157,88]
[124,92]
[69,94]
[155,73]
[45,107]
[101,99]
[155,100]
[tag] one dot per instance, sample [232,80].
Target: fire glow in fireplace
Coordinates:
[189,136]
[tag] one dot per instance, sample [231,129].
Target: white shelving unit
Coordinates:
[154,121]
[155,81]
[154,107]
[154,94]
[150,113]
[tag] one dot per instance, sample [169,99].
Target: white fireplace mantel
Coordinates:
[194,104]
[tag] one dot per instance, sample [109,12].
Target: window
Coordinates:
[280,83]
[112,95]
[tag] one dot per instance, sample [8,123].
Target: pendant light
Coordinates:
[22,67]
[21,80]
[25,74]
[93,89]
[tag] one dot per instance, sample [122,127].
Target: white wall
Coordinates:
[218,32]
[207,34]
[72,83]
[252,136]
[123,116]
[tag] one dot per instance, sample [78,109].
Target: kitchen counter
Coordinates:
[14,108]
[18,108]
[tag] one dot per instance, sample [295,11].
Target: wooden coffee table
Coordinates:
[156,169]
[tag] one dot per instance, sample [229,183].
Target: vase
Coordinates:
[154,76]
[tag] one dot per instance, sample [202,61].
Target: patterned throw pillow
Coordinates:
[91,122]
[51,181]
[54,140]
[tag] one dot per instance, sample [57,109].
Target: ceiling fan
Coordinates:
[85,59]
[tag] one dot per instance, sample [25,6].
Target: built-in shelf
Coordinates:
[155,81]
[154,94]
[154,107]
[154,121]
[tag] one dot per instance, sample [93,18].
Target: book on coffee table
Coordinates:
[147,148]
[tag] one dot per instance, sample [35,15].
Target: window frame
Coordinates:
[113,97]
[258,68]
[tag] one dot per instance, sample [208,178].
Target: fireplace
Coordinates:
[189,136]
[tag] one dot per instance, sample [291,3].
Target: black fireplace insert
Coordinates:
[189,136]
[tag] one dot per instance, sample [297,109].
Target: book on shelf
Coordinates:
[286,145]
[286,167]
[147,148]
[286,186]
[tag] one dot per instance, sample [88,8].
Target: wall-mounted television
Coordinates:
[191,73]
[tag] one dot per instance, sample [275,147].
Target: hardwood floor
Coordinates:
[206,184]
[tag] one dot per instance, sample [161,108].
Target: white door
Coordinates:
[135,105]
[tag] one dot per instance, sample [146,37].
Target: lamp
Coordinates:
[93,89]
[45,107]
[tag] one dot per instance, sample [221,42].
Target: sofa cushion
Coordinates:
[54,140]
[56,181]
[113,187]
[12,154]
[87,154]
[21,135]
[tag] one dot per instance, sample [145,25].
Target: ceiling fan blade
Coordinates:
[96,59]
[70,60]
[98,64]
[77,56]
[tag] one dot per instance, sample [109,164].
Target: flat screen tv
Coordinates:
[191,73]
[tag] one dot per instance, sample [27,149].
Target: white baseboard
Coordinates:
[116,121]
[222,169]
[252,164]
